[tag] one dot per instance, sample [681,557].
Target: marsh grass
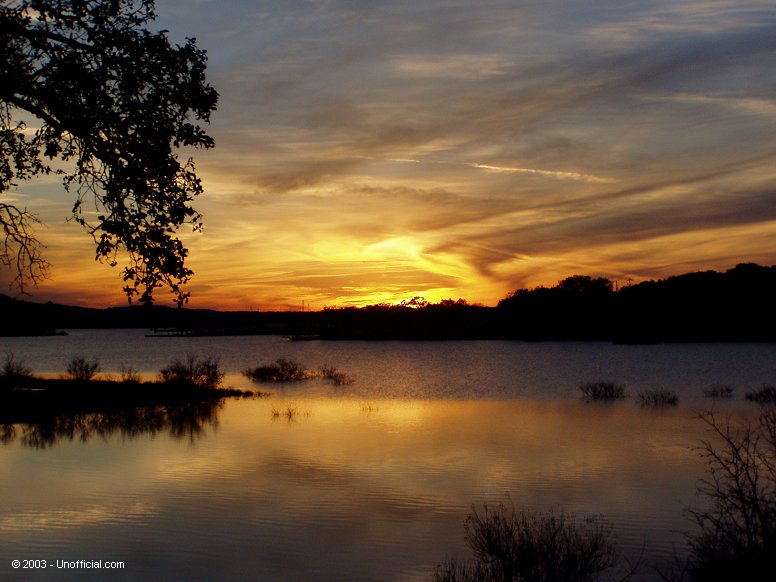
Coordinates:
[658,398]
[602,390]
[334,376]
[82,370]
[205,373]
[290,412]
[719,392]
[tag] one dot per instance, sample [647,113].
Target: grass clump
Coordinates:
[205,373]
[334,376]
[602,390]
[764,395]
[81,369]
[658,398]
[719,392]
[540,547]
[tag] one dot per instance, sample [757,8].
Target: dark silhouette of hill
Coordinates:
[735,305]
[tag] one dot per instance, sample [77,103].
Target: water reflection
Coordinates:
[348,490]
[185,420]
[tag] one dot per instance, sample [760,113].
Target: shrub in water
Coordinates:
[82,369]
[129,375]
[602,390]
[719,391]
[737,537]
[193,372]
[658,398]
[281,371]
[13,369]
[540,547]
[765,395]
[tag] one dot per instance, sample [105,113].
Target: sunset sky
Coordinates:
[374,150]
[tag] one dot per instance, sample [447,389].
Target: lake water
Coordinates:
[369,481]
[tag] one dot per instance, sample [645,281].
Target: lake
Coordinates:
[368,481]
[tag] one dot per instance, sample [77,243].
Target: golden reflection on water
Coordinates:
[349,488]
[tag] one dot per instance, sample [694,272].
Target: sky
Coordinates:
[372,150]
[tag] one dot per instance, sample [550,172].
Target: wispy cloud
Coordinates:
[506,143]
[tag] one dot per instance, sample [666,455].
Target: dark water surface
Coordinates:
[370,481]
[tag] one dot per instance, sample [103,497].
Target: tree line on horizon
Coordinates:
[734,305]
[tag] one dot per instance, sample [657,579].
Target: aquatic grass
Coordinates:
[602,390]
[766,394]
[205,373]
[719,392]
[658,398]
[290,412]
[334,376]
[81,369]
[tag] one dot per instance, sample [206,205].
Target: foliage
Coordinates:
[112,101]
[283,370]
[737,537]
[602,390]
[130,375]
[79,368]
[13,369]
[205,373]
[335,376]
[764,395]
[537,547]
[658,398]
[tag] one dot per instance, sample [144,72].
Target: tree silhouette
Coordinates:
[113,100]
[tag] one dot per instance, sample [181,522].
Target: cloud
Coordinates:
[503,141]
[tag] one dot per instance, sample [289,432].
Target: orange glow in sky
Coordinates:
[376,151]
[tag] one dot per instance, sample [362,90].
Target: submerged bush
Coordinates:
[602,390]
[737,531]
[658,398]
[719,391]
[129,375]
[764,395]
[13,369]
[281,371]
[79,368]
[204,373]
[536,547]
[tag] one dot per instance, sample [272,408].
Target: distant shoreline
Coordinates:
[733,306]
